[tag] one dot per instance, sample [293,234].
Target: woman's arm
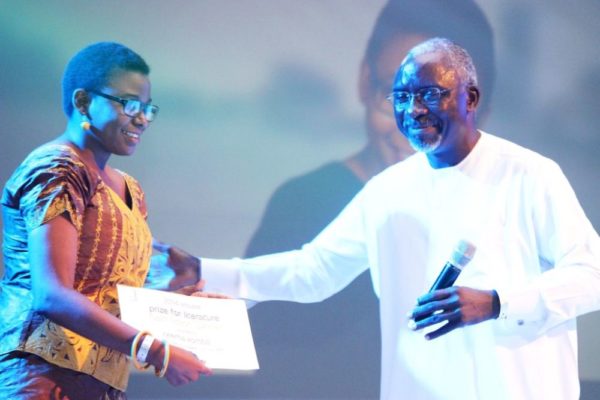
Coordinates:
[53,256]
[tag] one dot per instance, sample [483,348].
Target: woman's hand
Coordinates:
[183,366]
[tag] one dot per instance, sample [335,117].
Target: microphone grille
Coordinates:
[462,254]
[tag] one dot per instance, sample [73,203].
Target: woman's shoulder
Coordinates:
[54,156]
[50,164]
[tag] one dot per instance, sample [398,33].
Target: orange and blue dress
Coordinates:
[114,247]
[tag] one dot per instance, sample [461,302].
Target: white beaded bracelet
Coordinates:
[142,353]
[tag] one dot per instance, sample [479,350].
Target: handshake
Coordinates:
[176,270]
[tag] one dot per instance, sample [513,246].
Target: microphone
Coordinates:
[462,254]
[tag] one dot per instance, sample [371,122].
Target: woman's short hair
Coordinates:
[93,66]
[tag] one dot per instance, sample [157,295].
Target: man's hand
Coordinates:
[186,268]
[209,295]
[457,306]
[197,291]
[187,271]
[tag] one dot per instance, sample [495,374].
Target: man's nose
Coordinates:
[415,106]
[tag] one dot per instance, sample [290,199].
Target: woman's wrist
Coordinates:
[156,355]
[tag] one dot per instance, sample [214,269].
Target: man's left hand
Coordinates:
[457,306]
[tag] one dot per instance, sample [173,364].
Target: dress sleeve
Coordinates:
[48,186]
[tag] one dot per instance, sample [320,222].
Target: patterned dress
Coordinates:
[114,247]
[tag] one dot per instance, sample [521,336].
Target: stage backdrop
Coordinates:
[254,92]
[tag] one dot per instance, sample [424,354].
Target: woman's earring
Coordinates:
[85,123]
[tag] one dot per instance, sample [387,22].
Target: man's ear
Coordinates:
[364,82]
[473,97]
[81,101]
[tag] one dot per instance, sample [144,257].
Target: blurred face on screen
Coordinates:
[377,77]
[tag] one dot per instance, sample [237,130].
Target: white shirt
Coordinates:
[535,246]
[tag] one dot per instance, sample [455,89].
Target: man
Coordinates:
[507,330]
[312,340]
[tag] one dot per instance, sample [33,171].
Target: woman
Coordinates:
[74,229]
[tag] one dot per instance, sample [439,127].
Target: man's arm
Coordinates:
[311,274]
[566,283]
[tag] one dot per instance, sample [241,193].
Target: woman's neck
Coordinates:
[87,146]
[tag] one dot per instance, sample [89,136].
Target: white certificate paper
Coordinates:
[216,330]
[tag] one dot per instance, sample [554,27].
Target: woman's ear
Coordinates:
[81,101]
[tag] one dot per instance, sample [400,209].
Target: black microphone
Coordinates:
[462,254]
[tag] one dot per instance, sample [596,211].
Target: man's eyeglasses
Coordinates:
[429,96]
[132,107]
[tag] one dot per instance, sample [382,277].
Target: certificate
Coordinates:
[216,330]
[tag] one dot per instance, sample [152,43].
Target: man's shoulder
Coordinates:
[508,151]
[511,158]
